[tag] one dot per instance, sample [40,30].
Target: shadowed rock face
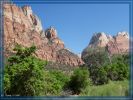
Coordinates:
[23,27]
[118,44]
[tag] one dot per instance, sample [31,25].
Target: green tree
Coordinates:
[118,71]
[79,80]
[100,76]
[54,82]
[96,57]
[24,74]
[103,67]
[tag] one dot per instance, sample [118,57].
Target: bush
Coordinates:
[125,58]
[54,82]
[24,74]
[79,80]
[100,76]
[118,71]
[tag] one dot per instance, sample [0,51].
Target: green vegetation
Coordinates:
[103,67]
[96,57]
[117,71]
[26,75]
[113,88]
[79,80]
[99,76]
[54,82]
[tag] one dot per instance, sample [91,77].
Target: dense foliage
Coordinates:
[54,82]
[119,68]
[103,67]
[79,80]
[24,73]
[99,76]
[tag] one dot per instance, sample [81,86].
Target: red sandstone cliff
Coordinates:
[23,27]
[118,44]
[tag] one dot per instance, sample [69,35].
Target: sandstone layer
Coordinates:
[118,44]
[22,26]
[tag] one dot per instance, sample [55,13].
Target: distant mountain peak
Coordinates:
[118,44]
[99,39]
[124,34]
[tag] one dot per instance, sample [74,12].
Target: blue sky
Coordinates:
[76,23]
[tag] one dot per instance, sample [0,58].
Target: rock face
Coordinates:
[34,20]
[23,27]
[118,44]
[99,39]
[51,33]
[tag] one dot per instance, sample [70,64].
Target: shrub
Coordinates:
[79,80]
[24,74]
[118,71]
[98,75]
[125,58]
[54,82]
